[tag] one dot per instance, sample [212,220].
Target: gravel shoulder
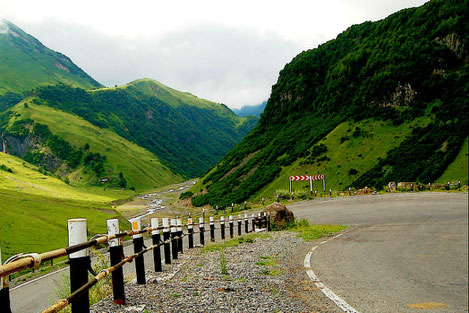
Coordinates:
[264,276]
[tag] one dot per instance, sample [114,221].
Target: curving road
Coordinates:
[405,252]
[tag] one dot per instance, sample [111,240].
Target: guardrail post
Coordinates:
[167,247]
[212,229]
[202,230]
[116,251]
[246,224]
[230,218]
[174,243]
[253,220]
[4,292]
[155,237]
[222,227]
[239,225]
[138,246]
[268,222]
[190,230]
[179,232]
[79,264]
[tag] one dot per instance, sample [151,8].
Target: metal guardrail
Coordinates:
[80,261]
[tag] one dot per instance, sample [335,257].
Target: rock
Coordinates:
[365,191]
[279,215]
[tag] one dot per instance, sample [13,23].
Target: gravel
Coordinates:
[255,281]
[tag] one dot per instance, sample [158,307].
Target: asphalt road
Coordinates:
[406,251]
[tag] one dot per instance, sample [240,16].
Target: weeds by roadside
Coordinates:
[98,292]
[309,232]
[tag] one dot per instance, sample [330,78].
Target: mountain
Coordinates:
[26,63]
[384,101]
[79,152]
[255,110]
[186,134]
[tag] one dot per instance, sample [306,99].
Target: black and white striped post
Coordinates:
[116,252]
[166,246]
[212,229]
[174,243]
[202,230]
[138,246]
[246,224]
[155,238]
[179,232]
[240,222]
[253,220]
[80,262]
[190,230]
[222,227]
[4,292]
[230,218]
[268,222]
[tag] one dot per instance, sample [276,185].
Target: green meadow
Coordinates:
[34,208]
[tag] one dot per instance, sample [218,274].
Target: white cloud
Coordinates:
[226,51]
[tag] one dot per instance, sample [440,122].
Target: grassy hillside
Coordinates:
[34,206]
[140,168]
[458,170]
[26,63]
[188,134]
[398,86]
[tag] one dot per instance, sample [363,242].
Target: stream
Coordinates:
[154,201]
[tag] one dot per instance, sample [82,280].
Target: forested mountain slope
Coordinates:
[396,92]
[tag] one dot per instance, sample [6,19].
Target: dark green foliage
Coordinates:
[59,147]
[122,181]
[187,138]
[5,168]
[393,69]
[352,171]
[186,195]
[18,128]
[95,161]
[315,154]
[8,100]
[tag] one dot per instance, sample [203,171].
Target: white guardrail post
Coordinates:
[80,263]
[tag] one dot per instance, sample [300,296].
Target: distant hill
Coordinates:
[26,63]
[255,110]
[187,134]
[77,151]
[384,101]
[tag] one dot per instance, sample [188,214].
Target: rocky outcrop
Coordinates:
[279,215]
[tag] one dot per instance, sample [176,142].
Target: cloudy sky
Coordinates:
[226,51]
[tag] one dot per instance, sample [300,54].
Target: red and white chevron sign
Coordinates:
[317,177]
[300,177]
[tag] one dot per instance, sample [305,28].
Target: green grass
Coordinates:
[141,168]
[25,65]
[312,232]
[458,170]
[269,266]
[360,153]
[33,223]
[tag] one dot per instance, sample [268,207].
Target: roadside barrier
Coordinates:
[80,260]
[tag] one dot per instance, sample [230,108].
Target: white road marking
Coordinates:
[326,291]
[39,278]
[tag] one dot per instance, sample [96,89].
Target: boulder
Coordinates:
[279,215]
